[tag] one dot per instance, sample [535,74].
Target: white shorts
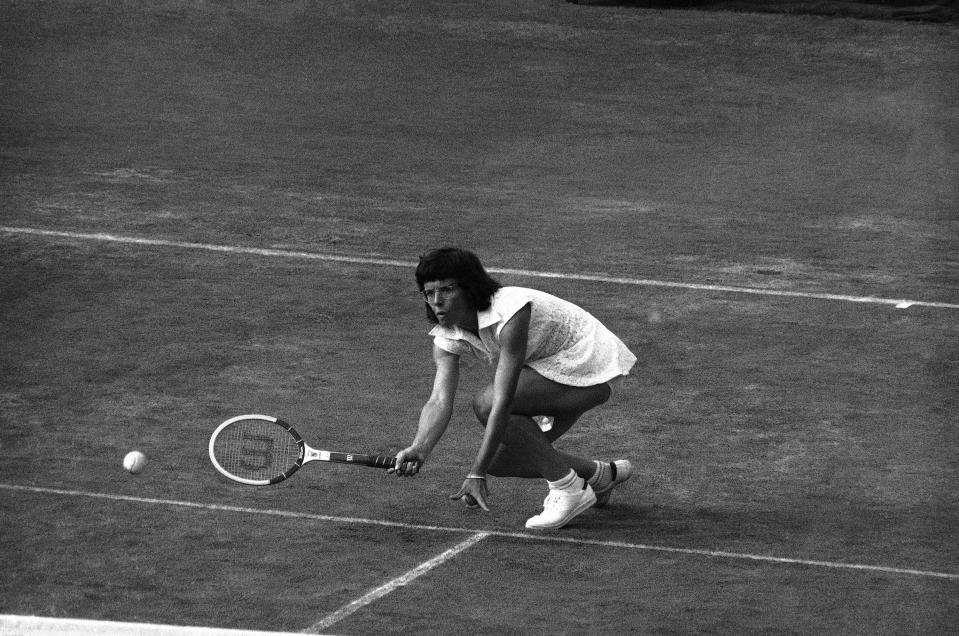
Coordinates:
[546,421]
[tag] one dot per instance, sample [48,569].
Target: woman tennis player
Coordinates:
[551,358]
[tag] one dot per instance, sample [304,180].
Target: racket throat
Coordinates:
[313,454]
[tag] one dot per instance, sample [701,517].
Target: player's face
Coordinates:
[448,301]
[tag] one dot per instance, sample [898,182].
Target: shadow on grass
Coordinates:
[910,10]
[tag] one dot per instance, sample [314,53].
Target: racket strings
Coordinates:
[256,449]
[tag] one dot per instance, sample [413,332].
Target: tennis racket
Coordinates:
[260,450]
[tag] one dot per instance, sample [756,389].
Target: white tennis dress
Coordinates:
[566,343]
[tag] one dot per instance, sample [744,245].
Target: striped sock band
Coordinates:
[601,477]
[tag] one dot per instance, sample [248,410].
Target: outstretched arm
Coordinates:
[513,340]
[435,415]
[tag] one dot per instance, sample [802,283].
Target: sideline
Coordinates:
[900,303]
[552,538]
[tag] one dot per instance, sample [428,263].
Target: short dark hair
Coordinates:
[463,266]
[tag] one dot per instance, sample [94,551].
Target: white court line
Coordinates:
[12,625]
[899,303]
[390,586]
[553,538]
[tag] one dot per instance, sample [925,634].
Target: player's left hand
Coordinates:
[473,492]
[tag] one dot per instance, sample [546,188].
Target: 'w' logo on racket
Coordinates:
[256,452]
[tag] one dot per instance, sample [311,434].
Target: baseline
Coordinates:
[13,625]
[898,303]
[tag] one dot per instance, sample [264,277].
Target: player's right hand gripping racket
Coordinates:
[260,450]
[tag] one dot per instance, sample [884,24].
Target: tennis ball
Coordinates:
[135,462]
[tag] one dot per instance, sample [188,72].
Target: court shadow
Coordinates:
[916,10]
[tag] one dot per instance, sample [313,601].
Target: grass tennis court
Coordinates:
[209,209]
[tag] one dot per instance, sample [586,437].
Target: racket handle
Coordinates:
[381,461]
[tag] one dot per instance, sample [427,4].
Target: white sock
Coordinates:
[570,483]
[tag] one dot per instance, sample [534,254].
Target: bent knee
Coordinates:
[483,404]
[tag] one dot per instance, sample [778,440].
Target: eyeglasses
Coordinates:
[446,291]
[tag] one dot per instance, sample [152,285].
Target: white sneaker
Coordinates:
[623,471]
[560,507]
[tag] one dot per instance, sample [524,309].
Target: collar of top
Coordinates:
[484,319]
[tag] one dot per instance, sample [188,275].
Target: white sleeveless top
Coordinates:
[566,343]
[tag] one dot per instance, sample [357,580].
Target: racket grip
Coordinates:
[382,461]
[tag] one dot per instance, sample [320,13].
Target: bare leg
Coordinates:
[526,450]
[506,463]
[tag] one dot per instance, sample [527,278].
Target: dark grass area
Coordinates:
[774,151]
